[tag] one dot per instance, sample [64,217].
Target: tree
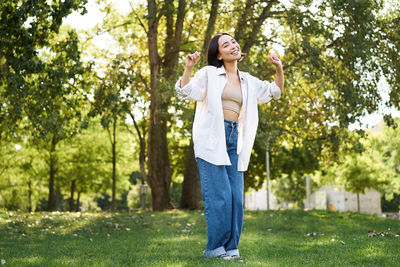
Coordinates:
[374,166]
[41,88]
[384,148]
[161,69]
[108,97]
[26,27]
[126,69]
[61,88]
[84,161]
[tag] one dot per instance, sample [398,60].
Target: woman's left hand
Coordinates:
[274,59]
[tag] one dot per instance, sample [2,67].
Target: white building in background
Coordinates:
[257,200]
[325,198]
[336,198]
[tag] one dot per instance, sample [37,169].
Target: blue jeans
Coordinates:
[222,194]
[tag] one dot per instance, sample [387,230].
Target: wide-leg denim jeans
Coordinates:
[222,193]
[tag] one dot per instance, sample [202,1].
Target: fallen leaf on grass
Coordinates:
[372,233]
[91,239]
[174,224]
[128,229]
[312,233]
[185,231]
[3,261]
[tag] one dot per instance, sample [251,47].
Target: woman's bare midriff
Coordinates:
[230,115]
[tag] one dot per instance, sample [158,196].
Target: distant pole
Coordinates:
[308,191]
[267,158]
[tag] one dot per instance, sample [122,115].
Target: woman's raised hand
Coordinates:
[192,59]
[274,59]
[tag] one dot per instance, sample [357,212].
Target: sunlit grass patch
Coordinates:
[177,238]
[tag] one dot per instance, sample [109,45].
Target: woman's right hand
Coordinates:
[191,59]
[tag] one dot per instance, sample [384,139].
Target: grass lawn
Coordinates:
[177,238]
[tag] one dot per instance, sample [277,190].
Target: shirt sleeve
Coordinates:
[267,91]
[196,89]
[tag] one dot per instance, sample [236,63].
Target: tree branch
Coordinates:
[107,30]
[144,82]
[257,26]
[138,18]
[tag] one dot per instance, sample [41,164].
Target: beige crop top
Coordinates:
[232,98]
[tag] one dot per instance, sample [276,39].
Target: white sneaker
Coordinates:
[225,257]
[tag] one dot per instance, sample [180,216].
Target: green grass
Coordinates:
[177,238]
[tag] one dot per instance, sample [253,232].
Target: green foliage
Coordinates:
[375,167]
[359,174]
[85,158]
[22,173]
[335,52]
[26,27]
[331,52]
[391,205]
[290,189]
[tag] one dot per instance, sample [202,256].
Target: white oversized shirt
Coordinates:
[208,127]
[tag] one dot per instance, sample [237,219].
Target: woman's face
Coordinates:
[228,49]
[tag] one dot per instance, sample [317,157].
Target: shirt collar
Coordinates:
[221,70]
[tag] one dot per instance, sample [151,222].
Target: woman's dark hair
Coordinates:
[212,52]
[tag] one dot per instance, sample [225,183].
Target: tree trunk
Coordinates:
[56,199]
[53,170]
[244,18]
[209,30]
[142,153]
[71,198]
[158,162]
[142,163]
[256,27]
[114,162]
[158,159]
[191,188]
[29,196]
[78,201]
[358,202]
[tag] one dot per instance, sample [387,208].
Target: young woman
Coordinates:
[224,129]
